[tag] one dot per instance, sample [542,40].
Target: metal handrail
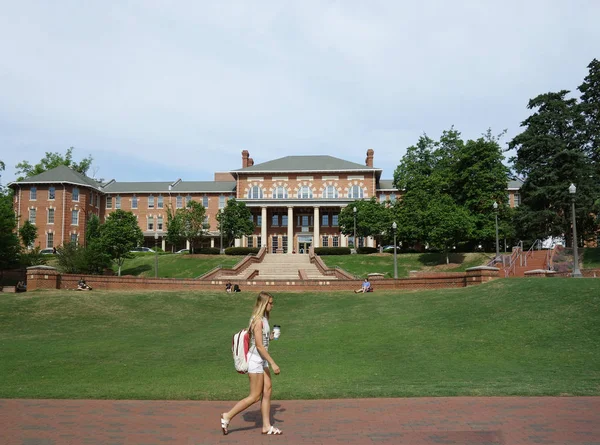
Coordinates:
[529,253]
[514,256]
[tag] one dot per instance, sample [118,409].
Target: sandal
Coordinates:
[224,425]
[273,431]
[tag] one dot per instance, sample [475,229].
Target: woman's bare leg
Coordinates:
[265,404]
[256,389]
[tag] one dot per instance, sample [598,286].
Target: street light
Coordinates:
[394,227]
[155,254]
[354,242]
[497,243]
[221,230]
[576,272]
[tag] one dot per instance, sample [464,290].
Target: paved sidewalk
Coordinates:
[415,421]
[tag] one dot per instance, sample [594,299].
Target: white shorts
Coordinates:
[256,364]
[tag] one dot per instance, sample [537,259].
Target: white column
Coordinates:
[187,245]
[163,244]
[317,226]
[370,241]
[237,242]
[290,232]
[263,227]
[343,240]
[212,242]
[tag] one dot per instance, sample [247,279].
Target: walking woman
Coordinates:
[259,360]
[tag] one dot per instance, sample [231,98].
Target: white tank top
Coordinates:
[266,334]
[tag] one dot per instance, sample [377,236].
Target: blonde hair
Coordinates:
[260,309]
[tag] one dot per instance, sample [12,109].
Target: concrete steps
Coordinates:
[537,260]
[282,267]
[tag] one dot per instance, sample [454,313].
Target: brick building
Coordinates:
[295,201]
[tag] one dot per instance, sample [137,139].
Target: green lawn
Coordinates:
[507,337]
[361,265]
[176,266]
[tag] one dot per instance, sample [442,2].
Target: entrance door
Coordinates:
[304,243]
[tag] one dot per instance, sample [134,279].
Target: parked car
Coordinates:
[183,251]
[49,251]
[391,248]
[142,249]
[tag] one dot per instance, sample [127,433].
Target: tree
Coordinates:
[590,108]
[119,234]
[372,219]
[174,228]
[551,154]
[193,224]
[235,221]
[28,234]
[9,241]
[92,231]
[52,160]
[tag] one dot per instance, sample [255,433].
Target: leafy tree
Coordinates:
[92,231]
[590,108]
[118,235]
[89,259]
[9,241]
[28,233]
[551,155]
[372,219]
[193,225]
[235,221]
[52,160]
[174,228]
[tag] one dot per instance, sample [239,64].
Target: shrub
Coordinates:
[366,250]
[241,250]
[208,251]
[332,250]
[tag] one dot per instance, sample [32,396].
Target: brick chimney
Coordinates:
[245,155]
[250,162]
[369,160]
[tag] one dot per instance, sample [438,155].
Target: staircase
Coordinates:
[532,260]
[281,267]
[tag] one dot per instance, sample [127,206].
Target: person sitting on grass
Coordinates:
[21,287]
[366,287]
[82,285]
[228,287]
[236,288]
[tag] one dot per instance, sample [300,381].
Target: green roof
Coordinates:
[60,174]
[515,184]
[386,184]
[176,187]
[304,163]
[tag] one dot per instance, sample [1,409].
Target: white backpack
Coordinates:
[239,346]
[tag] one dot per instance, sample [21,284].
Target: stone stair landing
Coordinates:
[281,267]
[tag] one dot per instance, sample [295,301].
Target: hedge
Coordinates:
[241,250]
[332,250]
[367,250]
[208,251]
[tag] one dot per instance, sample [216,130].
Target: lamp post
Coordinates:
[354,242]
[495,205]
[576,272]
[394,227]
[221,231]
[155,254]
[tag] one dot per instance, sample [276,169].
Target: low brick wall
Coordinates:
[43,277]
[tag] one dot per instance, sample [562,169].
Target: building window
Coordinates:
[32,194]
[275,220]
[382,198]
[335,241]
[134,202]
[305,192]
[50,216]
[221,201]
[284,220]
[258,241]
[517,199]
[75,194]
[205,201]
[361,241]
[392,198]
[98,201]
[251,241]
[274,243]
[73,238]
[160,202]
[255,193]
[331,192]
[109,202]
[74,217]
[32,215]
[325,220]
[280,193]
[117,202]
[334,220]
[159,224]
[50,240]
[151,201]
[188,199]
[151,223]
[51,193]
[284,244]
[356,192]
[259,220]
[179,202]
[205,223]
[325,241]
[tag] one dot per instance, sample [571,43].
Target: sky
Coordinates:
[160,90]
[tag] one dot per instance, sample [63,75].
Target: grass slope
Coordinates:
[507,337]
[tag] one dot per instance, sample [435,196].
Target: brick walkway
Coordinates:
[457,420]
